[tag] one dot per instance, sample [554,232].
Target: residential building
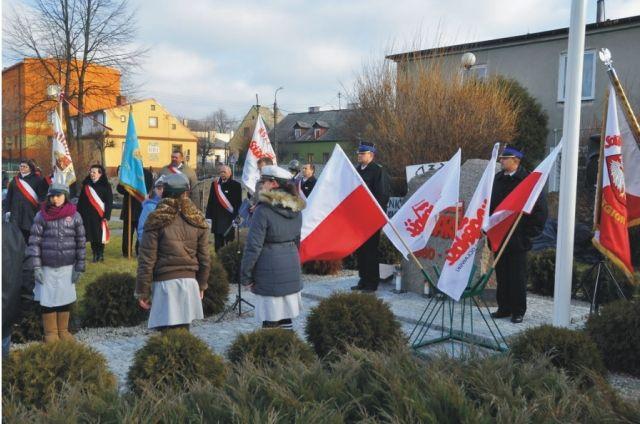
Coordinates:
[216,146]
[242,136]
[26,109]
[538,62]
[159,134]
[311,136]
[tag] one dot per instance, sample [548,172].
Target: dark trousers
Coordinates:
[219,240]
[97,248]
[368,267]
[511,275]
[125,242]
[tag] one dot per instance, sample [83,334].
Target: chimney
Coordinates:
[314,109]
[185,122]
[600,11]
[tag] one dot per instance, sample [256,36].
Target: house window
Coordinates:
[297,133]
[176,148]
[153,122]
[479,72]
[123,118]
[173,126]
[317,133]
[588,76]
[310,158]
[325,157]
[154,148]
[153,107]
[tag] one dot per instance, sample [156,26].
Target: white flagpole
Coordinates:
[569,166]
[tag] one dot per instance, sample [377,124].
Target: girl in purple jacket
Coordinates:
[57,246]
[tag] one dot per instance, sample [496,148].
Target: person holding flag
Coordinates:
[511,269]
[23,197]
[94,206]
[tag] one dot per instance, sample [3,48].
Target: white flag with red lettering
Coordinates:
[460,256]
[522,199]
[341,212]
[259,147]
[61,163]
[416,219]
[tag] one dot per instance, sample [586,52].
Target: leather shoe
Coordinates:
[368,290]
[500,314]
[354,288]
[517,319]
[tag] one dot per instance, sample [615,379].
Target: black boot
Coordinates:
[95,256]
[101,253]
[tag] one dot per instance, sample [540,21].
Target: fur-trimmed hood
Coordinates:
[167,211]
[280,200]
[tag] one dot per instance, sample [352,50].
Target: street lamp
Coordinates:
[467,61]
[275,117]
[53,91]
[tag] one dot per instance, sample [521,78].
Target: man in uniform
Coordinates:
[307,180]
[511,269]
[223,206]
[177,166]
[377,180]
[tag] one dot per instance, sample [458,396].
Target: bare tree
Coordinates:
[68,38]
[216,122]
[220,121]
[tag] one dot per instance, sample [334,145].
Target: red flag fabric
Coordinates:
[341,212]
[611,236]
[522,199]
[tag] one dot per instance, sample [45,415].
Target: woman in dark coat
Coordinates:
[23,197]
[271,262]
[94,205]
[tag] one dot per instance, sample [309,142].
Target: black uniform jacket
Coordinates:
[221,218]
[377,180]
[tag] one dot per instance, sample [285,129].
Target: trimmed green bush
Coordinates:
[109,302]
[172,359]
[36,375]
[322,267]
[616,332]
[269,345]
[356,319]
[231,260]
[570,350]
[217,293]
[541,270]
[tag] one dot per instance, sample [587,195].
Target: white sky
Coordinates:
[210,54]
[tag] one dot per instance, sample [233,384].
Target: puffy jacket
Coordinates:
[58,243]
[270,259]
[175,245]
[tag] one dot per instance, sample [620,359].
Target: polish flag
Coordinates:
[417,217]
[611,236]
[341,212]
[456,270]
[259,147]
[522,199]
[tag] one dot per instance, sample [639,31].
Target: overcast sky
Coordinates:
[210,54]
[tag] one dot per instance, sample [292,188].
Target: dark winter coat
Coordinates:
[22,211]
[270,259]
[13,248]
[90,217]
[58,243]
[175,245]
[529,226]
[136,206]
[221,218]
[308,185]
[376,178]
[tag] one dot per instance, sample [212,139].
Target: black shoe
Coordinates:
[355,288]
[368,290]
[500,314]
[517,319]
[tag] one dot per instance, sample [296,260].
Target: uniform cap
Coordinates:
[276,173]
[366,146]
[511,152]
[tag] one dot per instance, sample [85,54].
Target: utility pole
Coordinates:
[275,119]
[339,96]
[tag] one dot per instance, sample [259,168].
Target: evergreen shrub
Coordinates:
[29,328]
[322,267]
[38,374]
[616,332]
[217,293]
[109,302]
[231,260]
[542,270]
[356,319]
[269,345]
[171,360]
[571,350]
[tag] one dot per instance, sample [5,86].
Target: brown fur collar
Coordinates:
[282,199]
[167,211]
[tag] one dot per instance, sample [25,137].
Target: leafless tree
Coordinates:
[68,37]
[216,122]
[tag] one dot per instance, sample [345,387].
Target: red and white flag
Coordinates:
[259,147]
[341,212]
[460,256]
[416,219]
[61,163]
[611,236]
[522,199]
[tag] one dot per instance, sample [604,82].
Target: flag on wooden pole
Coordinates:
[131,171]
[61,163]
[259,147]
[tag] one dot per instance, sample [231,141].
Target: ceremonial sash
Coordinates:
[27,191]
[222,199]
[174,170]
[300,192]
[98,205]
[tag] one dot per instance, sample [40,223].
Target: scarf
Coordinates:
[51,213]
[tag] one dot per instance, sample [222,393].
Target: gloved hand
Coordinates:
[7,216]
[38,275]
[75,276]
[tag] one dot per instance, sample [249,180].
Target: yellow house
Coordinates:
[159,134]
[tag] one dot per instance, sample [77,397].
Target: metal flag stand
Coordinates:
[604,275]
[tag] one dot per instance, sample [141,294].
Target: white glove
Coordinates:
[38,275]
[7,216]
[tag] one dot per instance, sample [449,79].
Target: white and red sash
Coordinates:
[98,205]
[174,169]
[300,192]
[222,199]
[27,191]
